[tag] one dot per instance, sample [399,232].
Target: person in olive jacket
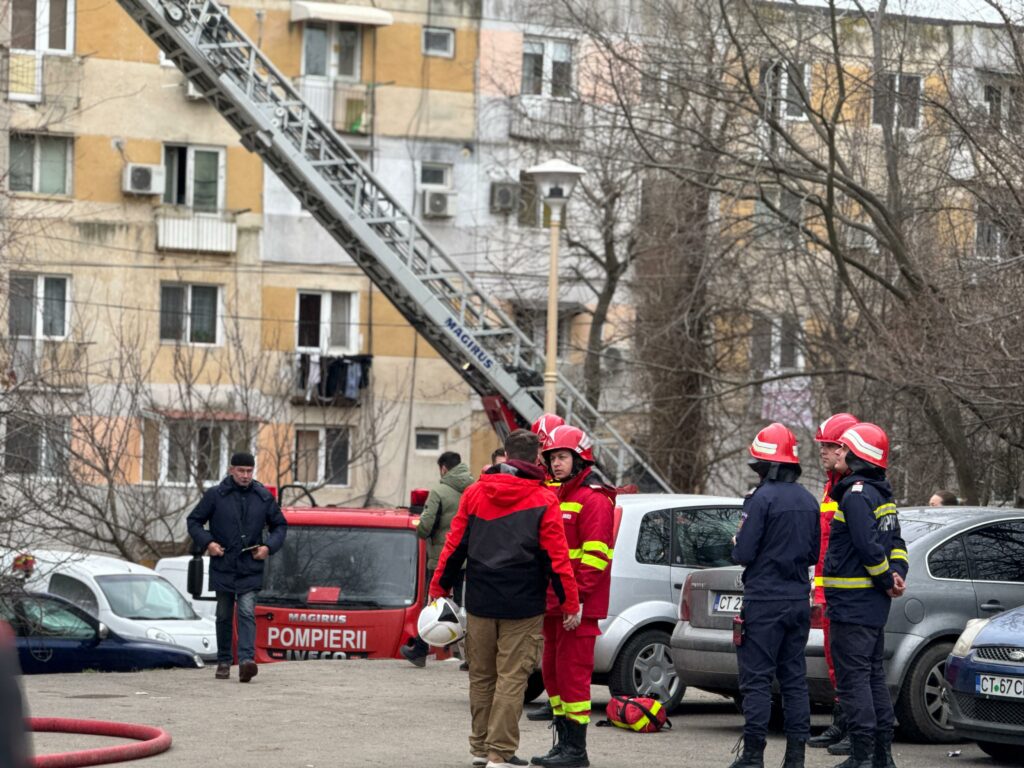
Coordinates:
[237,511]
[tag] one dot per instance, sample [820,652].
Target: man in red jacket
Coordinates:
[588,514]
[508,531]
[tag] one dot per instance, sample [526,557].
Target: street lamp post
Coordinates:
[554,180]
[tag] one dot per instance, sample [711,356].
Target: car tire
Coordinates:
[644,668]
[1002,753]
[534,686]
[921,708]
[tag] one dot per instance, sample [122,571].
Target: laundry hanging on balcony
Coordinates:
[327,379]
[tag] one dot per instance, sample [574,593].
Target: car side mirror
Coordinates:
[103,632]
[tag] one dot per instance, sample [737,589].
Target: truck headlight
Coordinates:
[967,637]
[159,635]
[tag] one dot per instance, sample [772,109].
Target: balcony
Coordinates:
[342,104]
[36,364]
[181,229]
[25,76]
[330,380]
[34,78]
[539,118]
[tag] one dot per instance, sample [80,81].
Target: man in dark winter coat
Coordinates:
[237,511]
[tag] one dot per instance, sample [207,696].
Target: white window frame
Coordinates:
[187,326]
[332,74]
[43,30]
[547,67]
[38,301]
[798,355]
[441,436]
[1007,116]
[190,166]
[165,450]
[1002,240]
[44,446]
[896,105]
[37,161]
[321,457]
[325,323]
[782,67]
[447,168]
[448,53]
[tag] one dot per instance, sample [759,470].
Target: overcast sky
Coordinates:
[954,10]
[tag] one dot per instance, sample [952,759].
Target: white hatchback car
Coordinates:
[131,599]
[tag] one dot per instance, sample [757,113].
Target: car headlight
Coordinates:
[966,639]
[199,661]
[159,635]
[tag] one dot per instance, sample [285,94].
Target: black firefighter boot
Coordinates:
[841,747]
[794,753]
[752,755]
[862,752]
[558,741]
[883,750]
[833,734]
[574,747]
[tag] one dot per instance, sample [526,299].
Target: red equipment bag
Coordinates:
[636,713]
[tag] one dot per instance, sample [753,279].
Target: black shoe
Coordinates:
[557,741]
[882,757]
[862,751]
[413,656]
[752,755]
[223,672]
[841,747]
[794,753]
[574,749]
[833,734]
[542,712]
[247,670]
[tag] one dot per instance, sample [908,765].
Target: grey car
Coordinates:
[662,537]
[955,575]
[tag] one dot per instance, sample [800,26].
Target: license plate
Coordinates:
[728,603]
[994,685]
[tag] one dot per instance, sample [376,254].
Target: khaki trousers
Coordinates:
[501,654]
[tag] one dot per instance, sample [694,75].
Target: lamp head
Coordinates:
[555,179]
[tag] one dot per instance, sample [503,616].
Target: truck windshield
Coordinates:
[347,567]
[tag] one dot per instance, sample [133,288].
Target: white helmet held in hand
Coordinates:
[441,623]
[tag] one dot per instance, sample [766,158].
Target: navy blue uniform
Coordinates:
[865,549]
[778,543]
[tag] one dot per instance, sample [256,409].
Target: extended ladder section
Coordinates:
[465,324]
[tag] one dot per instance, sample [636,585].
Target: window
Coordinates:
[195,177]
[197,450]
[43,25]
[896,98]
[38,306]
[78,592]
[46,618]
[779,86]
[997,552]
[776,344]
[949,561]
[40,164]
[429,440]
[331,50]
[992,238]
[327,321]
[703,537]
[34,447]
[435,176]
[438,41]
[654,540]
[780,212]
[1005,104]
[547,68]
[534,322]
[189,313]
[321,455]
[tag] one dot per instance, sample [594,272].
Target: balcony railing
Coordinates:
[46,364]
[186,230]
[25,76]
[343,104]
[538,118]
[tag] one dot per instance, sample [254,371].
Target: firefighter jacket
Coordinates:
[509,534]
[865,548]
[828,511]
[777,541]
[588,516]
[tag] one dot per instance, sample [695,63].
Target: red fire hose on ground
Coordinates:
[149,741]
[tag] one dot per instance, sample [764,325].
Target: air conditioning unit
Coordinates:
[438,204]
[192,92]
[504,196]
[140,179]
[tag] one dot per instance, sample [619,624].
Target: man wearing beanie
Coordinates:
[228,525]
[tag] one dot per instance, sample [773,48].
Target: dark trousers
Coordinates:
[774,641]
[420,646]
[226,604]
[857,653]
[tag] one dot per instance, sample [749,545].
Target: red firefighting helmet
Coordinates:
[868,442]
[775,443]
[566,438]
[545,425]
[832,428]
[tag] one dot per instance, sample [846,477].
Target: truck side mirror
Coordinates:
[194,579]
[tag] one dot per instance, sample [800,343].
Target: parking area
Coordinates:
[336,714]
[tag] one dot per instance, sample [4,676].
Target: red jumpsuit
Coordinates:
[828,511]
[588,514]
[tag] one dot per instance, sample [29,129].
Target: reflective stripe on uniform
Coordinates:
[571,506]
[575,554]
[878,570]
[829,506]
[594,562]
[578,711]
[597,546]
[819,581]
[842,582]
[556,705]
[840,516]
[899,554]
[886,509]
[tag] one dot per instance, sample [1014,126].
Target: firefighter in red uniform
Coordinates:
[588,513]
[827,437]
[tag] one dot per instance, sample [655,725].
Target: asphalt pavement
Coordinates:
[335,714]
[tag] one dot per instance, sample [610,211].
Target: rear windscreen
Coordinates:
[343,567]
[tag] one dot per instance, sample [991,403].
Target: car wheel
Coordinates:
[534,686]
[921,708]
[644,668]
[1003,753]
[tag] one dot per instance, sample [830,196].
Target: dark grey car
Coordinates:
[955,575]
